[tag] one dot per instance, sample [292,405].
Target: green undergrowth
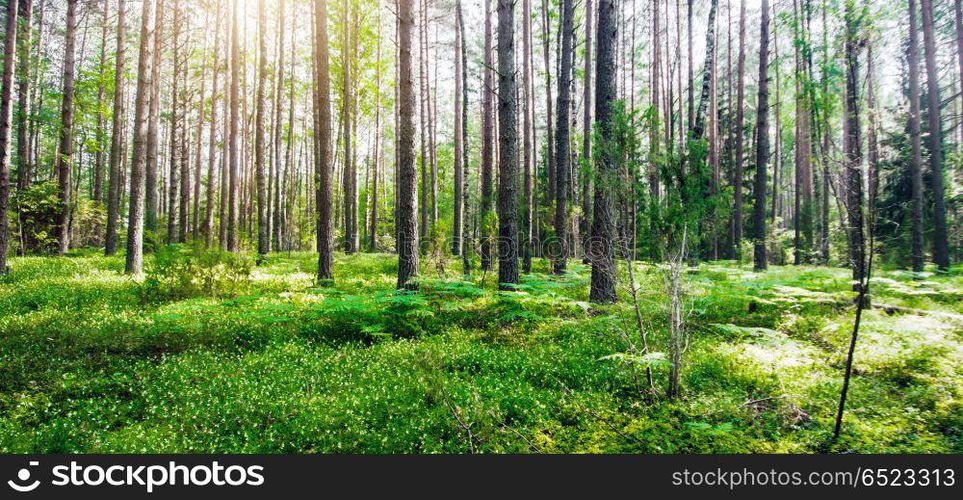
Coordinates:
[211,353]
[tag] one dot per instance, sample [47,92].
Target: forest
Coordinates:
[481,226]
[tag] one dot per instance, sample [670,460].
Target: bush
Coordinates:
[177,273]
[38,207]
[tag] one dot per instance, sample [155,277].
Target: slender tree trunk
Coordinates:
[550,169]
[528,152]
[655,124]
[916,156]
[459,217]
[233,148]
[407,187]
[708,70]
[153,125]
[586,217]
[508,149]
[259,133]
[852,147]
[98,179]
[737,216]
[466,197]
[487,153]
[376,164]
[601,253]
[212,139]
[114,186]
[199,133]
[174,160]
[349,179]
[563,157]
[65,159]
[762,146]
[6,119]
[941,253]
[135,222]
[24,90]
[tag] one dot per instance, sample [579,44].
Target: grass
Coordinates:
[248,359]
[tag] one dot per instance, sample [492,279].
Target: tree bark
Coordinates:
[64,160]
[941,253]
[233,146]
[487,153]
[212,139]
[153,125]
[114,187]
[737,216]
[762,146]
[852,148]
[98,174]
[259,133]
[527,139]
[916,155]
[465,201]
[459,217]
[601,253]
[407,187]
[563,157]
[135,221]
[549,130]
[24,90]
[6,119]
[508,149]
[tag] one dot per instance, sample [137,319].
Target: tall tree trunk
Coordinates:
[528,139]
[563,157]
[24,90]
[184,168]
[708,70]
[655,124]
[762,146]
[174,132]
[550,169]
[350,177]
[508,149]
[233,148]
[737,216]
[135,221]
[487,153]
[153,125]
[376,165]
[98,179]
[852,146]
[586,218]
[65,150]
[259,134]
[916,156]
[407,187]
[465,201]
[114,186]
[941,252]
[195,228]
[459,216]
[6,118]
[212,139]
[603,225]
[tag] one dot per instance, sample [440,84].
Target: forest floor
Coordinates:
[212,354]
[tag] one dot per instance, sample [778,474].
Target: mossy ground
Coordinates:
[90,362]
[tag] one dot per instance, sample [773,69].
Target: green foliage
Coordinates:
[178,272]
[37,209]
[252,360]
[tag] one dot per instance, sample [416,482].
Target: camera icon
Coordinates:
[23,475]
